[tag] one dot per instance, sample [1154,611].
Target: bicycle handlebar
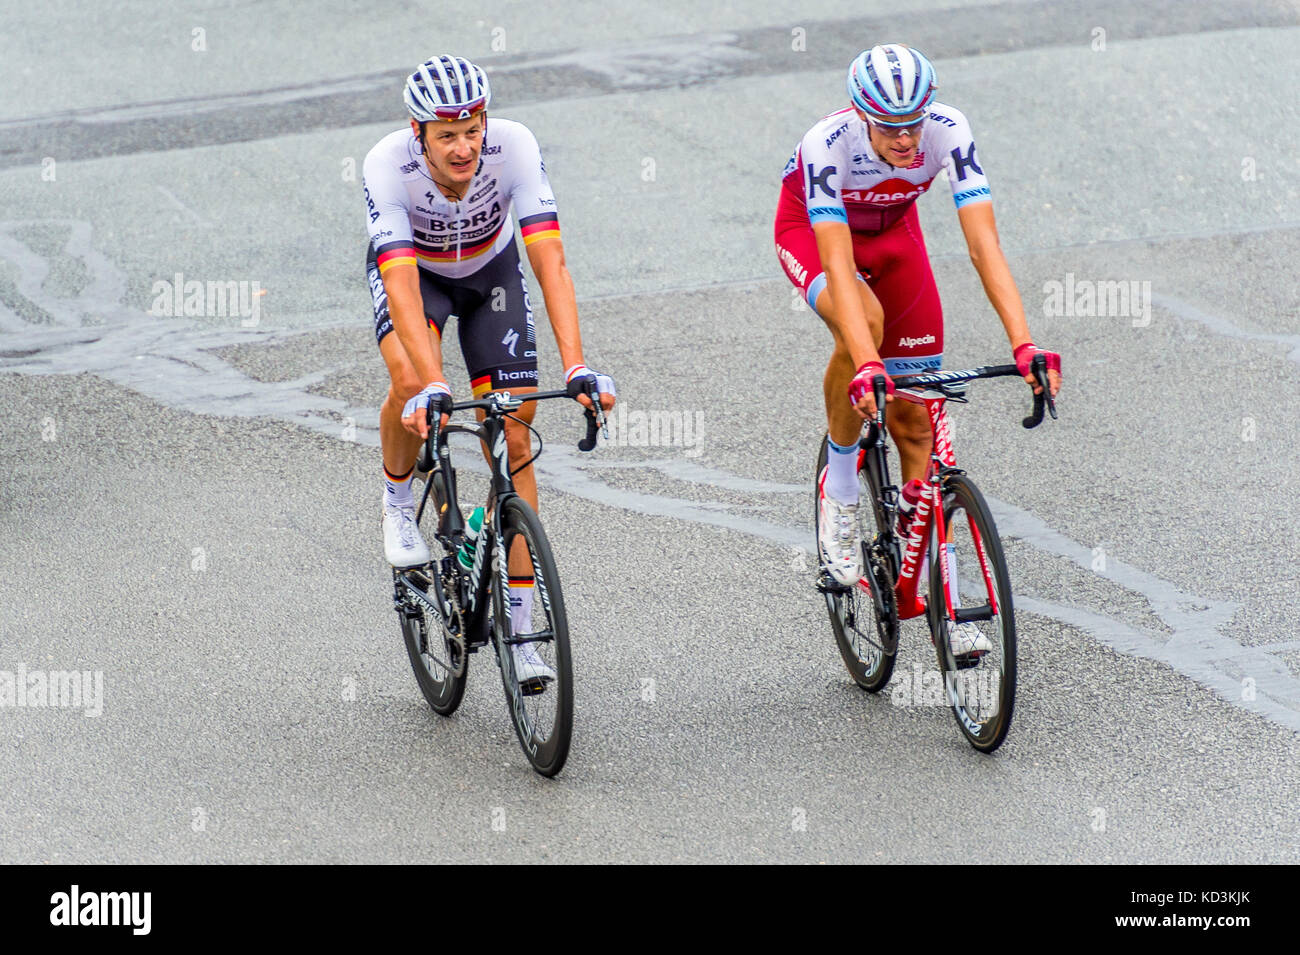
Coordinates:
[490,406]
[1038,368]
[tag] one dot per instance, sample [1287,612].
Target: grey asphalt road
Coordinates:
[189,505]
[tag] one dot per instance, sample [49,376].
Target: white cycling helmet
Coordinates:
[891,80]
[446,88]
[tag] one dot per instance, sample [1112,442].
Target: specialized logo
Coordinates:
[499,448]
[888,193]
[510,341]
[913,342]
[476,570]
[820,180]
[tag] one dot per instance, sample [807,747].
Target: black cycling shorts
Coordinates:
[495,319]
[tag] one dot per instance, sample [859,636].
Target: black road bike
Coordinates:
[448,612]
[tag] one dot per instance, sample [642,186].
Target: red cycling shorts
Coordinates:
[896,267]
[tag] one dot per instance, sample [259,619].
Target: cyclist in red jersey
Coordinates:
[847,234]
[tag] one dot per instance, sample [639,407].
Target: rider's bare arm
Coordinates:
[546,257]
[848,319]
[981,231]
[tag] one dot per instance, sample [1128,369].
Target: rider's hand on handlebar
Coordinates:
[604,385]
[861,389]
[415,417]
[1024,354]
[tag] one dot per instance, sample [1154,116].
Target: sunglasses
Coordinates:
[450,114]
[895,130]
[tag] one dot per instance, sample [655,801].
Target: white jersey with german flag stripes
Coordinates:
[836,175]
[411,221]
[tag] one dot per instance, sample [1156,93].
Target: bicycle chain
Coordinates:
[455,638]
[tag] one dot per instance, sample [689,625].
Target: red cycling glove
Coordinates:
[1025,353]
[861,385]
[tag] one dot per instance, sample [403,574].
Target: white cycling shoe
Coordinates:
[530,668]
[837,538]
[967,642]
[404,545]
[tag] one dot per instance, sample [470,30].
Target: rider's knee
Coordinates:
[519,443]
[911,431]
[403,388]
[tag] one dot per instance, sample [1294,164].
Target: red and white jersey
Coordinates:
[836,175]
[411,221]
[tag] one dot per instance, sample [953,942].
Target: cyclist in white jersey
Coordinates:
[848,235]
[439,196]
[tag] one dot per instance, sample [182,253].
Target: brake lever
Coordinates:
[879,388]
[1043,380]
[595,415]
[1042,400]
[598,410]
[425,461]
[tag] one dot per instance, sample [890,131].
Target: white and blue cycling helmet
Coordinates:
[891,80]
[446,88]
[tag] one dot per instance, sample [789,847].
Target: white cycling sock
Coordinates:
[521,604]
[397,490]
[842,472]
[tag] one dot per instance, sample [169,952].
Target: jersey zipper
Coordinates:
[456,209]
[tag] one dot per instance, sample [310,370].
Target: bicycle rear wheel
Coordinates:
[982,689]
[864,618]
[438,661]
[540,708]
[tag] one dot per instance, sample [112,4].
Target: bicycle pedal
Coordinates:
[827,584]
[532,687]
[968,661]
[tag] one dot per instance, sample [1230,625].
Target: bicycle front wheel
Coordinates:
[973,612]
[536,669]
[864,618]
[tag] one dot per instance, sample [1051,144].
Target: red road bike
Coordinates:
[947,565]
